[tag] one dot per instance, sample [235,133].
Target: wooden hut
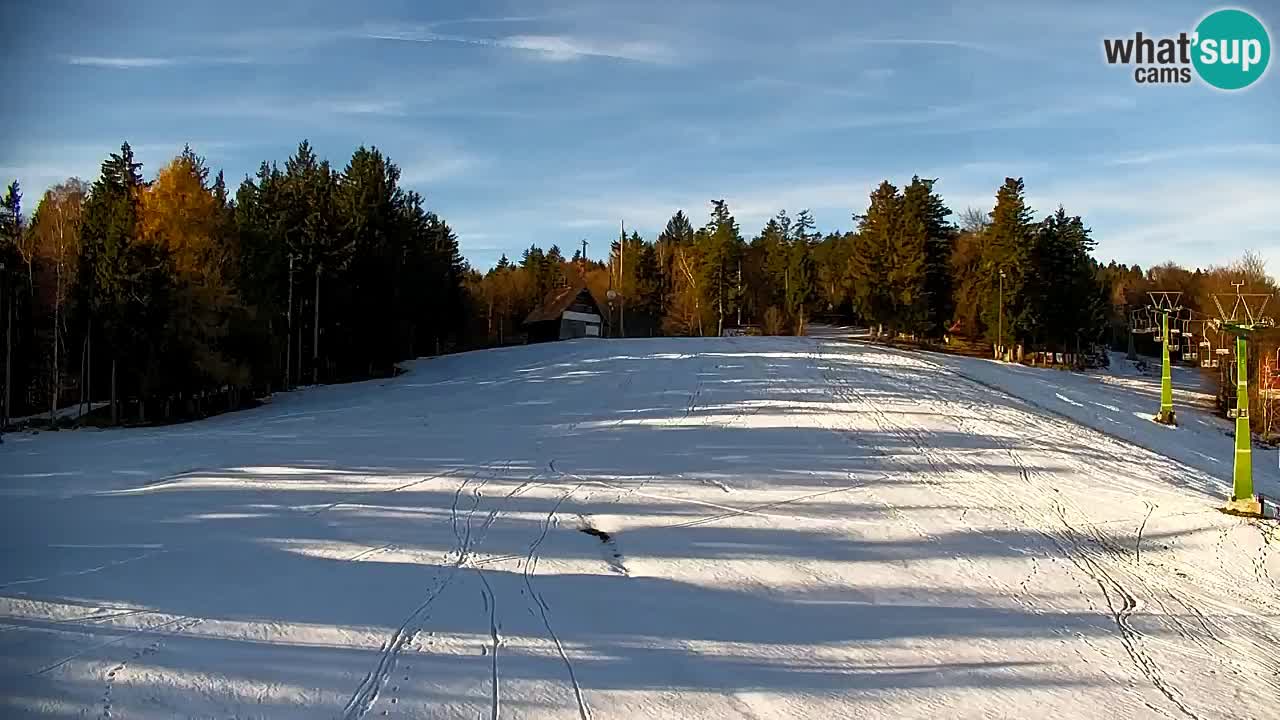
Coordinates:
[566,313]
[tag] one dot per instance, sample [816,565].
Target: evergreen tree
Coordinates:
[125,278]
[1064,301]
[369,319]
[768,276]
[1007,248]
[873,255]
[799,276]
[721,245]
[926,229]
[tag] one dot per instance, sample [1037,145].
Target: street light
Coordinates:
[1000,338]
[288,351]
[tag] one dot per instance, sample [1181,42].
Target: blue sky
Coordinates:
[550,122]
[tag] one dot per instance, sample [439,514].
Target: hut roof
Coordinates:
[559,300]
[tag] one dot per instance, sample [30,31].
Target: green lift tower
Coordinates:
[1241,315]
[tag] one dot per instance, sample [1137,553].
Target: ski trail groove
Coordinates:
[366,693]
[491,601]
[530,565]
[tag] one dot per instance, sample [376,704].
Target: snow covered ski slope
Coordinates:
[684,528]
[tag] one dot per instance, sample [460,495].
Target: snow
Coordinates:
[696,528]
[69,411]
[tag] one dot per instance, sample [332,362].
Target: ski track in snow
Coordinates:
[812,527]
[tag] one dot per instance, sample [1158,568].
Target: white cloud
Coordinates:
[316,110]
[441,165]
[360,107]
[877,74]
[562,47]
[121,63]
[844,43]
[1208,218]
[555,48]
[1254,150]
[135,63]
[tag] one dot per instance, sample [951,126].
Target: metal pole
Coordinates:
[1243,475]
[1166,376]
[315,337]
[288,349]
[1000,338]
[622,300]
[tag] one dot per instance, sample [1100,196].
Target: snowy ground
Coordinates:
[779,527]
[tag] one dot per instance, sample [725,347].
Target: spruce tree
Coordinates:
[927,211]
[800,275]
[721,248]
[1007,248]
[871,261]
[117,270]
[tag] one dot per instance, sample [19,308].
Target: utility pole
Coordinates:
[1000,330]
[288,347]
[584,251]
[1244,319]
[315,334]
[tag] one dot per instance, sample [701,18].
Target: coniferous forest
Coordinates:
[170,295]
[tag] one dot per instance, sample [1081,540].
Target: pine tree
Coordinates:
[648,286]
[800,277]
[831,263]
[122,275]
[1065,301]
[721,245]
[770,248]
[1007,248]
[871,261]
[926,215]
[370,319]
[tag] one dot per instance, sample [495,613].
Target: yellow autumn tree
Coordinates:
[186,219]
[55,241]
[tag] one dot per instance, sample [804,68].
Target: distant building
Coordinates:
[568,312]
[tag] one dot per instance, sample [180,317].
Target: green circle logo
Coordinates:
[1232,49]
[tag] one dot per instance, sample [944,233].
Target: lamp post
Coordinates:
[1000,337]
[288,348]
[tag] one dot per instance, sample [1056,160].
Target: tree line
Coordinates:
[173,297]
[902,269]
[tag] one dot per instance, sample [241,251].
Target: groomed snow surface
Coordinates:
[684,528]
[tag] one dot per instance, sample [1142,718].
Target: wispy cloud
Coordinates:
[134,63]
[442,164]
[846,42]
[554,48]
[298,109]
[1270,150]
[120,63]
[360,107]
[1193,211]
[490,20]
